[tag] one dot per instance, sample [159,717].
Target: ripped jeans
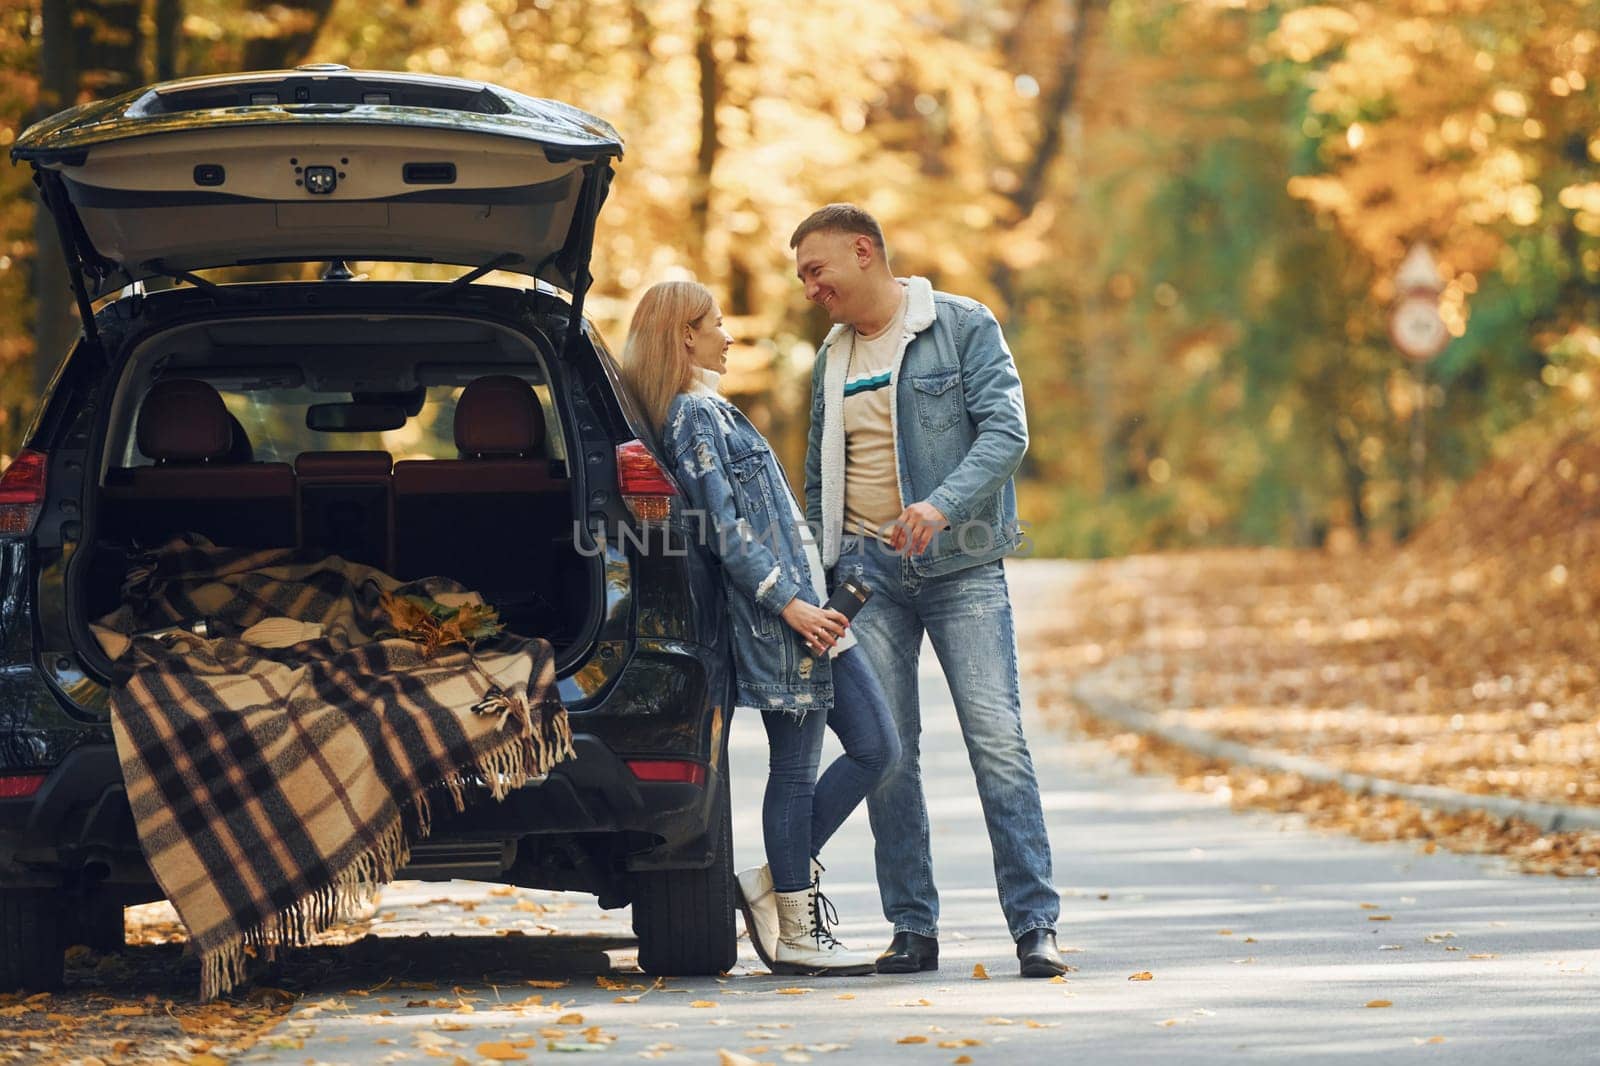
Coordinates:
[800,811]
[967,616]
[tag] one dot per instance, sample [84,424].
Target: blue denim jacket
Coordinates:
[739,504]
[960,430]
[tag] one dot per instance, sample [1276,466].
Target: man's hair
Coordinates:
[841,218]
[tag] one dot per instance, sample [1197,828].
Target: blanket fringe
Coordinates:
[539,745]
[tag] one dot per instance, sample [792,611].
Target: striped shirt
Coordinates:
[871,478]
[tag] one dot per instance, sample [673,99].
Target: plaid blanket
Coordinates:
[271,786]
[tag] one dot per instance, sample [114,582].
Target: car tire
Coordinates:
[685,918]
[32,957]
[100,924]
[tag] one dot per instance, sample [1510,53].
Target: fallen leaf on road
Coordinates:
[1378,918]
[205,1058]
[1249,940]
[979,973]
[1431,1040]
[793,991]
[1484,955]
[125,1012]
[610,984]
[1042,1025]
[962,1060]
[1391,947]
[570,1019]
[1379,1003]
[966,1042]
[998,1021]
[913,1003]
[845,995]
[1142,975]
[500,1052]
[548,984]
[1436,938]
[733,1058]
[704,1003]
[1058,979]
[628,999]
[914,1038]
[1370,906]
[1224,932]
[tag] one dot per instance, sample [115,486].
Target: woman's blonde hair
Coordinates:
[655,361]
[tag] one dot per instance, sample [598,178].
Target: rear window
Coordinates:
[274,422]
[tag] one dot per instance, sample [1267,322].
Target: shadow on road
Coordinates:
[165,971]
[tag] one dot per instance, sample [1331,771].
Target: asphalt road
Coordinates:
[1262,941]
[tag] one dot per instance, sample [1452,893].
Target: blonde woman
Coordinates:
[793,659]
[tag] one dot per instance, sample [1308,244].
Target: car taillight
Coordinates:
[20,786]
[668,770]
[646,488]
[22,492]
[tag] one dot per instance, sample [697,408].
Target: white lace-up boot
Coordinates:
[805,943]
[760,908]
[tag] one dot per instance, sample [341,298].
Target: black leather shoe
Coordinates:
[1036,949]
[909,953]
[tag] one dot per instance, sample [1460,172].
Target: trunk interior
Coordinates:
[474,484]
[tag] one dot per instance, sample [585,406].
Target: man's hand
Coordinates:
[819,627]
[916,526]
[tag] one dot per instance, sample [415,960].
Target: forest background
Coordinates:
[1187,213]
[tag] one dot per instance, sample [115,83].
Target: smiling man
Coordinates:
[917,426]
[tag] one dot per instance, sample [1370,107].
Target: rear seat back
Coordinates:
[185,428]
[492,518]
[345,504]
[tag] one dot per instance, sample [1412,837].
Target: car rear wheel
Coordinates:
[31,953]
[99,923]
[684,918]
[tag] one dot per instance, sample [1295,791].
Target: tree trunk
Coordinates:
[54,322]
[706,160]
[169,21]
[1355,481]
[1054,108]
[110,46]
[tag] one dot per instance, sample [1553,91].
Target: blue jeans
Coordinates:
[800,811]
[967,615]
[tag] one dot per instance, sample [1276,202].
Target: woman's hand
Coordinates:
[819,627]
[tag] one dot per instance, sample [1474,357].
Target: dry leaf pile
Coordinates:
[435,625]
[1466,659]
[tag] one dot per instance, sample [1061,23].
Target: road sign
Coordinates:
[1417,328]
[1415,325]
[1418,271]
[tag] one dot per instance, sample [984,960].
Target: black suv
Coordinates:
[364,417]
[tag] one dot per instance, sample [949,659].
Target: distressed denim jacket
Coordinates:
[739,504]
[960,430]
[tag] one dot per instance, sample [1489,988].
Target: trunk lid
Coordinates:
[321,163]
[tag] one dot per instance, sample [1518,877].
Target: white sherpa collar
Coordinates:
[919,309]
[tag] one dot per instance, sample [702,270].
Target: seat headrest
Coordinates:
[499,416]
[184,421]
